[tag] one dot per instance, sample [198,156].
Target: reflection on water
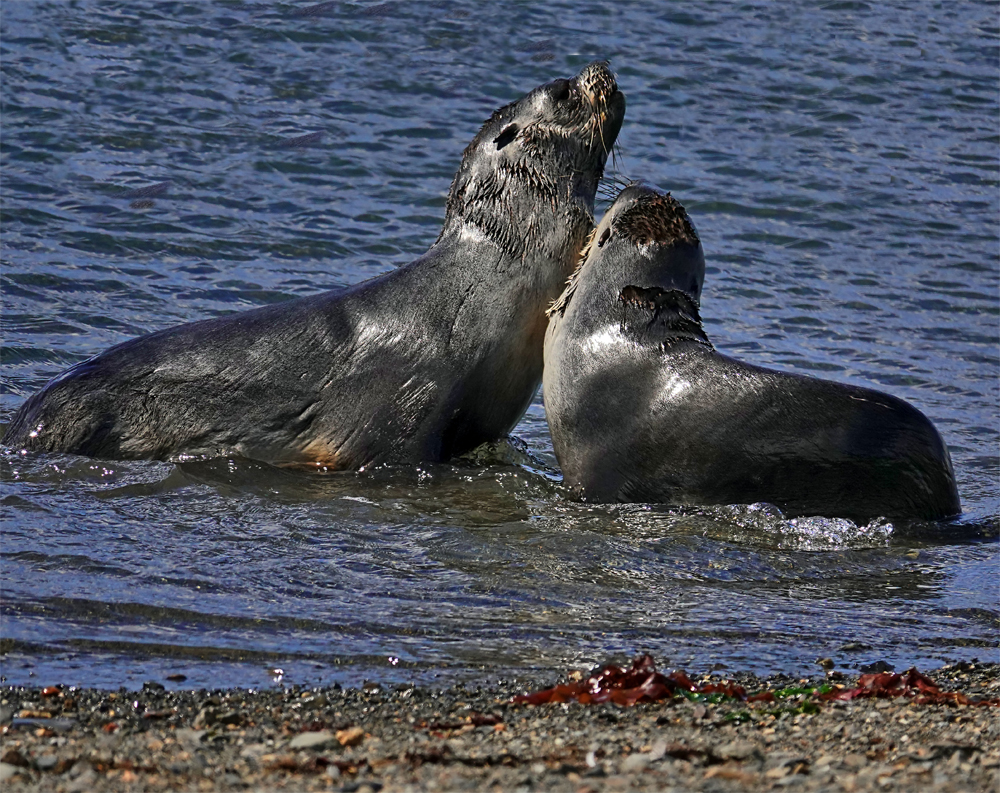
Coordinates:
[164,163]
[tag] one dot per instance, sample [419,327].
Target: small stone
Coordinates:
[188,736]
[538,769]
[826,663]
[658,750]
[786,760]
[7,771]
[855,760]
[14,758]
[46,762]
[333,772]
[79,767]
[312,740]
[635,762]
[83,783]
[253,751]
[206,717]
[34,714]
[876,668]
[152,685]
[352,736]
[737,750]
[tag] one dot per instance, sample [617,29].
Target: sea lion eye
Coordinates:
[506,136]
[604,238]
[560,90]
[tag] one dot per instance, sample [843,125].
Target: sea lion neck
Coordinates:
[528,179]
[664,316]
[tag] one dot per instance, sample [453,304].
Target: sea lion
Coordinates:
[642,407]
[417,365]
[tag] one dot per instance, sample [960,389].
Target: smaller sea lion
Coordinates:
[642,407]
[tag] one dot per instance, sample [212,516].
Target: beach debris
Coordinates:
[910,684]
[643,683]
[640,683]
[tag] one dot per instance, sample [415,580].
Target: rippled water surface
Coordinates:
[166,162]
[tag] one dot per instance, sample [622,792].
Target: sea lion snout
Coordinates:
[597,82]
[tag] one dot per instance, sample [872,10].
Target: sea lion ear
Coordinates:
[506,136]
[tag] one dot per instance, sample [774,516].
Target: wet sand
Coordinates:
[406,738]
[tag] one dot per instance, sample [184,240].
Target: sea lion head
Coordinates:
[528,179]
[645,238]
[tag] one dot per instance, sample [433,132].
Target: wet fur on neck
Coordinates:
[664,316]
[559,304]
[490,201]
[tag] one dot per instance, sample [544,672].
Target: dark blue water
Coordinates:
[166,162]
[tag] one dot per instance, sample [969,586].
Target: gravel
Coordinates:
[415,739]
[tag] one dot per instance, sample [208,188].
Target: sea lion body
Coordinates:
[642,408]
[416,365]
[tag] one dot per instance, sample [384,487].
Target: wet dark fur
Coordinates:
[669,316]
[419,364]
[656,218]
[642,408]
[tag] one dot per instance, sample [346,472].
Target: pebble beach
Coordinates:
[407,738]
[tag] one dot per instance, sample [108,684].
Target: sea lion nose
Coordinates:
[597,81]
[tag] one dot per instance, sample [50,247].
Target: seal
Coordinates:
[416,365]
[641,406]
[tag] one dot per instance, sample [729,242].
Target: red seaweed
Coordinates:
[640,683]
[910,684]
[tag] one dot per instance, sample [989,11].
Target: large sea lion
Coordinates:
[642,407]
[419,364]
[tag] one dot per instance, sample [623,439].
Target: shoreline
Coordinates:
[406,738]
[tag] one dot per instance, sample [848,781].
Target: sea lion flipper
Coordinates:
[660,316]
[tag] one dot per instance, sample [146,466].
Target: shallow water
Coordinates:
[165,162]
